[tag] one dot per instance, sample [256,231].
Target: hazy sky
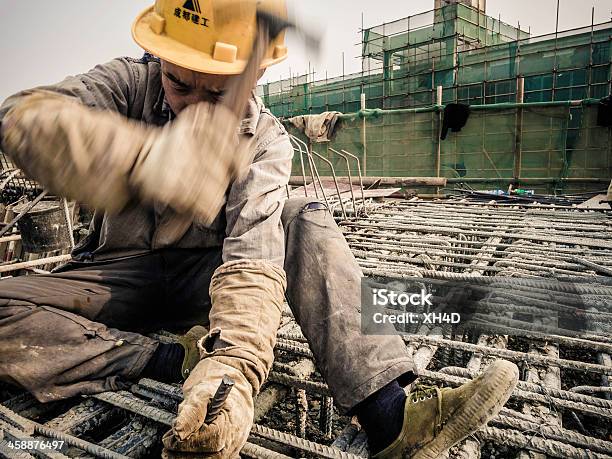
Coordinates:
[43,41]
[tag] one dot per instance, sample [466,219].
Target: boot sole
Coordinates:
[499,380]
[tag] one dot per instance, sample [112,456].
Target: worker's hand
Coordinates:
[227,434]
[190,163]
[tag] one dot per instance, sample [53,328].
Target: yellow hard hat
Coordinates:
[208,36]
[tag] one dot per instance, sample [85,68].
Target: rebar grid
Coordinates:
[524,248]
[462,238]
[479,243]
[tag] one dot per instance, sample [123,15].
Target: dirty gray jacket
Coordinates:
[248,227]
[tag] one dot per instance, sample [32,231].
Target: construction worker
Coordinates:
[152,143]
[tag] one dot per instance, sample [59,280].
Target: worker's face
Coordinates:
[184,87]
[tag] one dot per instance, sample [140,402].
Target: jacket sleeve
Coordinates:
[107,160]
[255,203]
[106,87]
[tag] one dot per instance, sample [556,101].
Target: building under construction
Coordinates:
[513,204]
[533,102]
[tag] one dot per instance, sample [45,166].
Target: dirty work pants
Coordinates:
[80,330]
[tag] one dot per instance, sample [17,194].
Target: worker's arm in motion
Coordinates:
[77,140]
[247,294]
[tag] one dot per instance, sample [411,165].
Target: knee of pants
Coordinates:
[315,250]
[298,207]
[309,225]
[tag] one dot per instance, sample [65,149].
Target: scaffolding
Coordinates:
[475,58]
[533,102]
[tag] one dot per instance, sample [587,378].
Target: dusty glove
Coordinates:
[225,436]
[247,299]
[105,160]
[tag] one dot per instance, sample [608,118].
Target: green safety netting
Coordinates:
[548,144]
[549,147]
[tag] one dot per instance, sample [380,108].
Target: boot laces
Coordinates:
[423,392]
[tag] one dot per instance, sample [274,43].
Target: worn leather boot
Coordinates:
[189,341]
[436,419]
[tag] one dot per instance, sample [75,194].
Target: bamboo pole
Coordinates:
[383,181]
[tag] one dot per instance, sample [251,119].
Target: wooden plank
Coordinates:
[345,192]
[595,203]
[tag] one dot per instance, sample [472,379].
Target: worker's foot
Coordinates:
[189,341]
[436,419]
[172,362]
